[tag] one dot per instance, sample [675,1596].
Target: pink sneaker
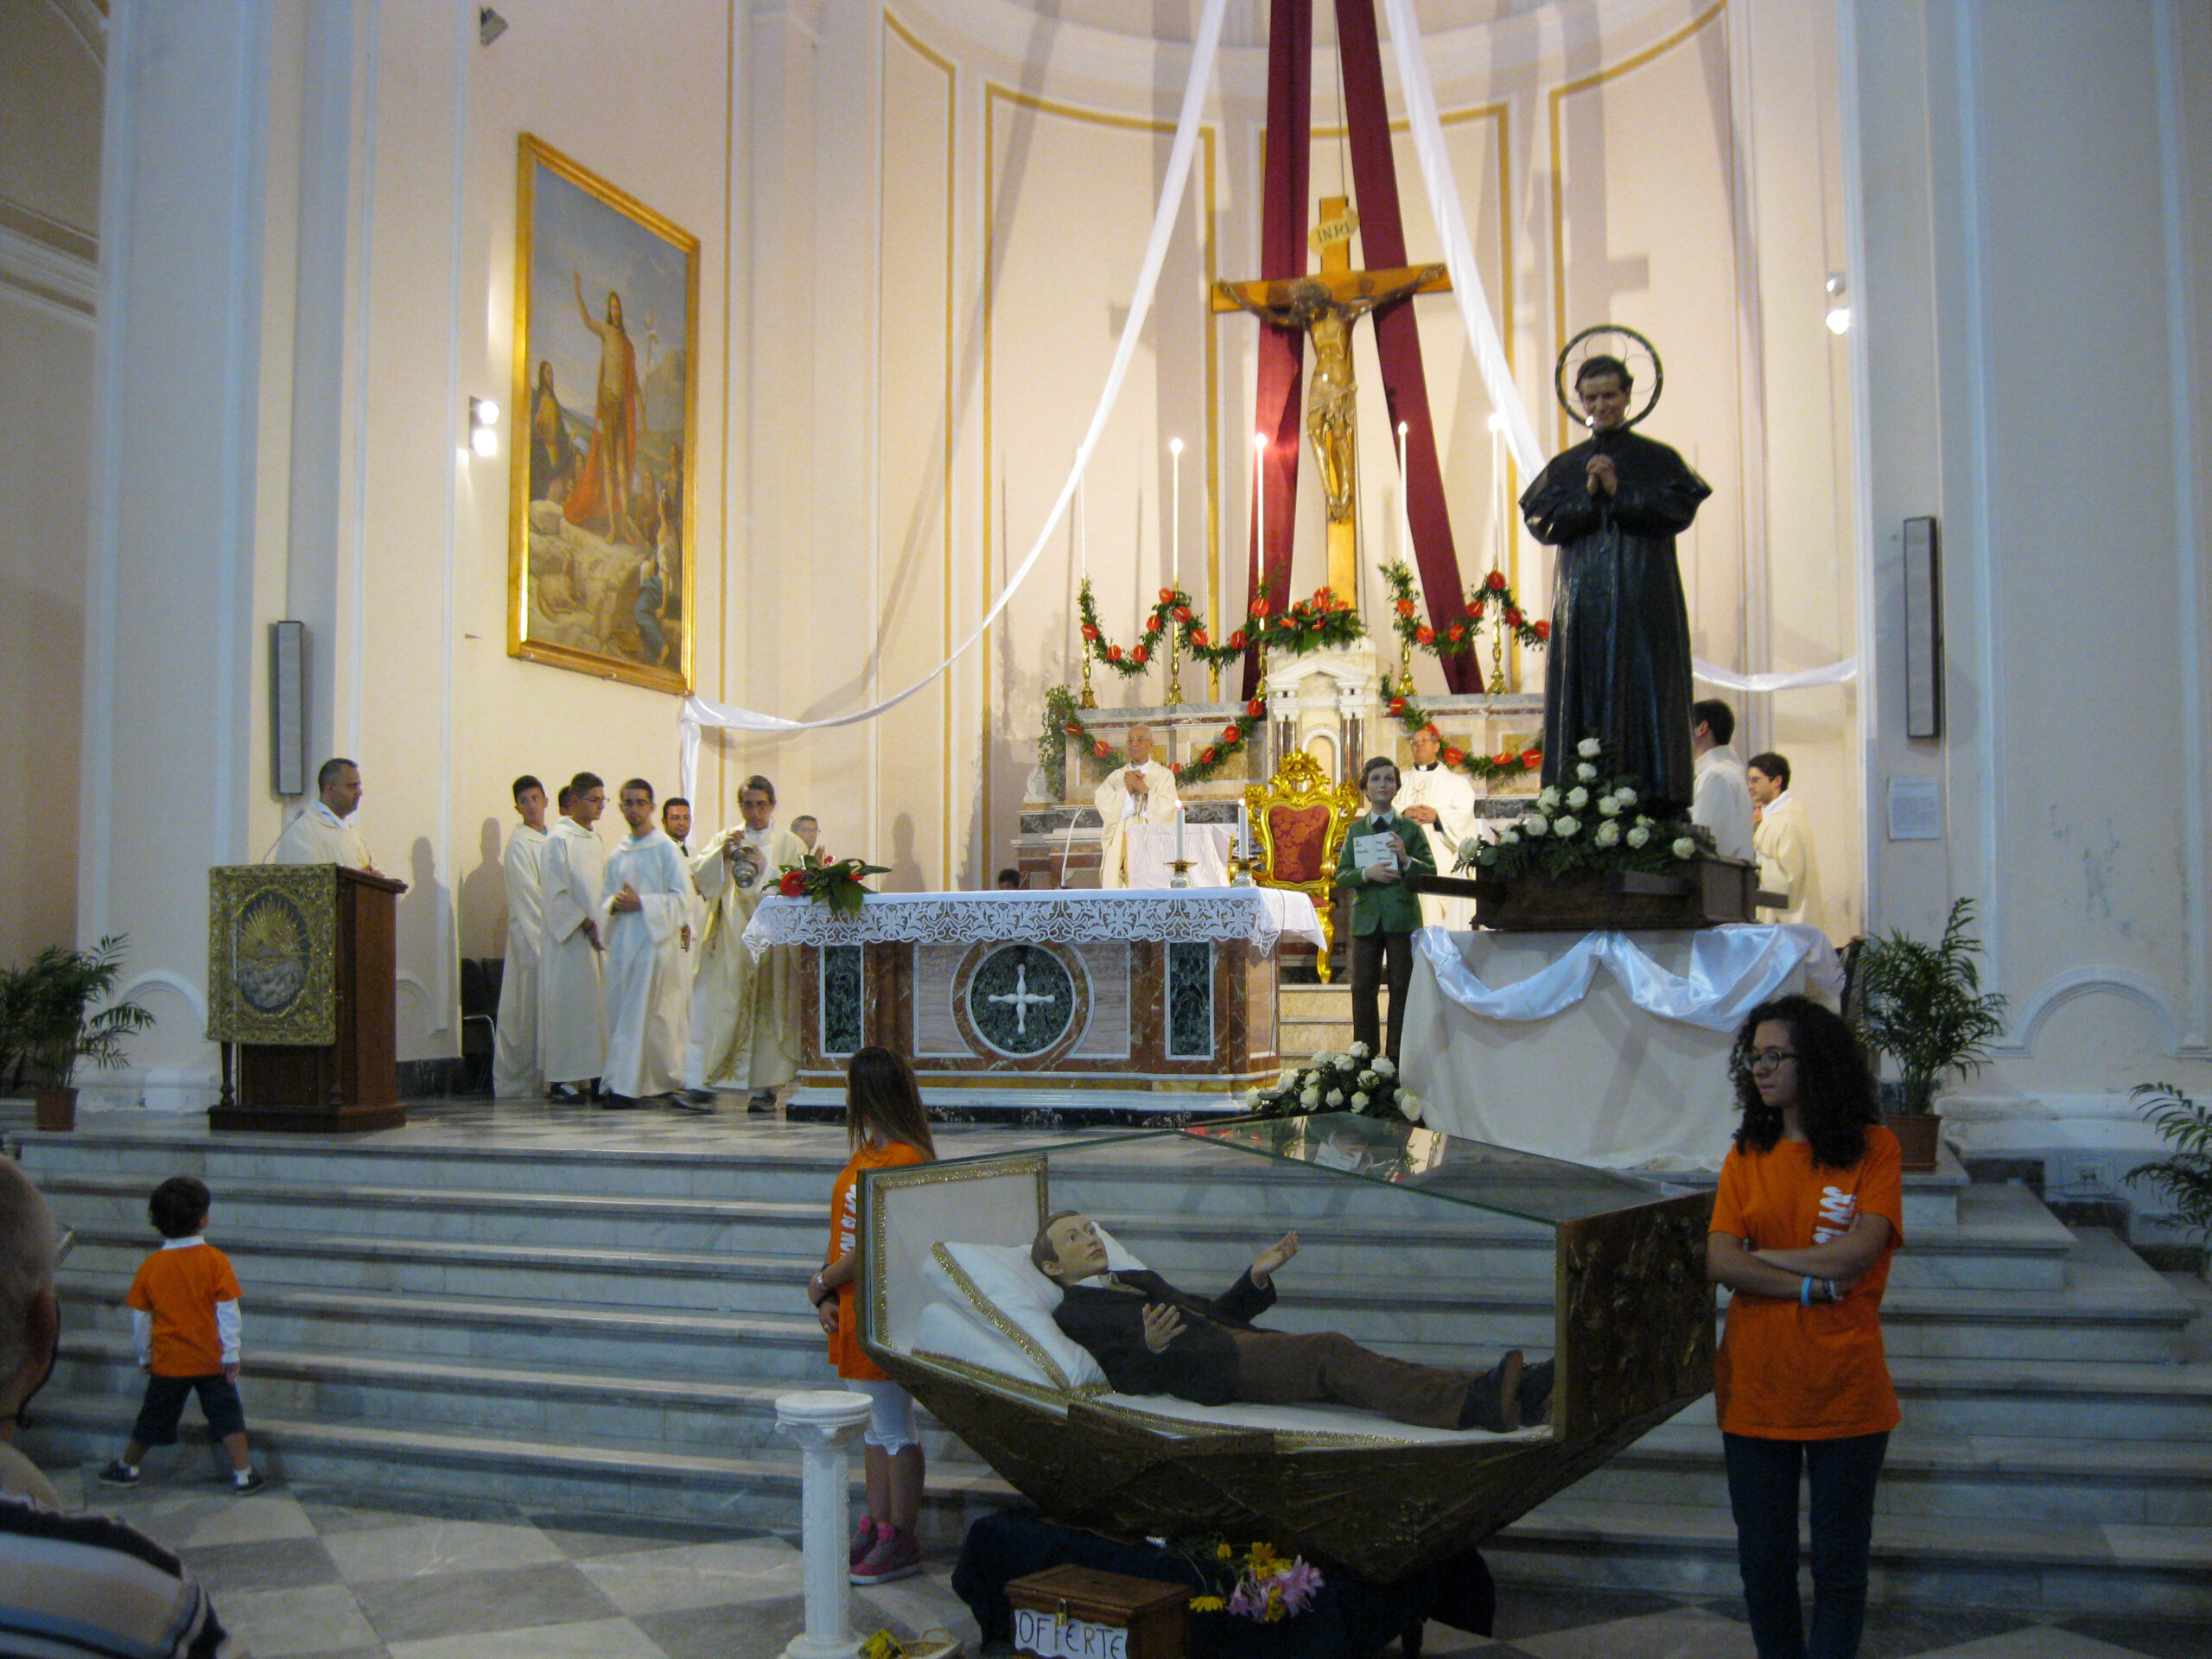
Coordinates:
[863,1541]
[896,1556]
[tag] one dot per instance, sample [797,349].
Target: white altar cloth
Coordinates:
[1521,1040]
[1255,916]
[1151,853]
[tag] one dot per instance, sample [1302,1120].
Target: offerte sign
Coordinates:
[1046,1636]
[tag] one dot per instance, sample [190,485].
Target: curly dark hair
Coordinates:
[1836,1098]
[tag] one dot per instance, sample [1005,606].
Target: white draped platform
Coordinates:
[1607,1049]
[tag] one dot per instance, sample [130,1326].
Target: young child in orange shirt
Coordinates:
[184,1323]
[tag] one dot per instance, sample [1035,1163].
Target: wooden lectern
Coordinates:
[300,976]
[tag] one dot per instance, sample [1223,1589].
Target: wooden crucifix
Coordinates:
[1325,304]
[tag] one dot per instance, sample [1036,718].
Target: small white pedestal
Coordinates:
[823,1424]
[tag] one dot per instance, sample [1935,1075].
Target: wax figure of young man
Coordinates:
[1618,666]
[322,834]
[745,1010]
[516,1073]
[1150,1338]
[1385,912]
[1141,791]
[1441,800]
[646,897]
[572,1007]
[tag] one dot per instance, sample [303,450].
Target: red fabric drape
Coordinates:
[1281,403]
[1397,334]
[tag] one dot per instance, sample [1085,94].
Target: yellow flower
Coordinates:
[1207,1604]
[1221,1551]
[1264,1560]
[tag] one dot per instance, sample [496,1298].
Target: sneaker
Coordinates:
[1536,1394]
[254,1481]
[1494,1398]
[863,1541]
[119,1473]
[896,1556]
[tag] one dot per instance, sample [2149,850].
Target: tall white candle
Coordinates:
[1505,494]
[1082,544]
[1260,500]
[1405,503]
[1175,513]
[1178,834]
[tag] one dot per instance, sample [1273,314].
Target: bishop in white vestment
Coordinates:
[515,1072]
[1441,800]
[1140,791]
[745,1012]
[321,834]
[647,904]
[572,1010]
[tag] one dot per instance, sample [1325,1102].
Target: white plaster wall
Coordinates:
[2029,186]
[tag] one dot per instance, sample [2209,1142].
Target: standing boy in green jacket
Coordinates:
[1381,851]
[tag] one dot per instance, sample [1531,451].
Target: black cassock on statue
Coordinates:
[1620,645]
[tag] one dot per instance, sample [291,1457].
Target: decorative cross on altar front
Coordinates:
[1326,305]
[1022,998]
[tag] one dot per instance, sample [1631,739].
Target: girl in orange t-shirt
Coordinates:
[887,1126]
[1809,1208]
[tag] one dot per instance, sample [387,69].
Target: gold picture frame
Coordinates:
[600,532]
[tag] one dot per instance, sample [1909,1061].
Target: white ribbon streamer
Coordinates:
[1733,969]
[1483,337]
[1834,674]
[697,712]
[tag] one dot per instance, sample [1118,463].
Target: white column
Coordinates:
[823,1423]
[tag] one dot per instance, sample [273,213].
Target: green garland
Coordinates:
[1399,701]
[1062,717]
[1492,593]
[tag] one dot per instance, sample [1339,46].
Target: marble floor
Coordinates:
[311,1574]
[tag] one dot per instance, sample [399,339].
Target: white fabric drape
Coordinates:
[1732,970]
[1834,674]
[697,712]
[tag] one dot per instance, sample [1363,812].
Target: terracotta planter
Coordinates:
[56,1109]
[1919,1136]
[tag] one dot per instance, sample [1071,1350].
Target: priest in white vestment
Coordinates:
[1141,790]
[1784,837]
[1441,800]
[571,1008]
[321,834]
[745,1012]
[647,903]
[1720,796]
[516,1074]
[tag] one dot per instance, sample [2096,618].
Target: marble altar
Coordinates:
[1135,1006]
[1605,1049]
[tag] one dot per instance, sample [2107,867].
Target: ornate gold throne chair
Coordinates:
[1299,823]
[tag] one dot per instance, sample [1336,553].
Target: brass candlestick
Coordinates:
[1086,701]
[1497,658]
[1174,666]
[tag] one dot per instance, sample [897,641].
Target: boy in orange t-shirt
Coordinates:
[184,1323]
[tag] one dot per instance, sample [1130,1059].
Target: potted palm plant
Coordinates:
[47,1023]
[1922,1005]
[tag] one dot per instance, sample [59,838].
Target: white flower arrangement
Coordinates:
[1586,772]
[1608,805]
[1626,795]
[1640,837]
[1359,1101]
[1590,748]
[1324,1059]
[1387,1066]
[1578,798]
[1584,822]
[1357,1051]
[1346,1082]
[1310,1099]
[1548,798]
[1609,833]
[1369,1078]
[1535,826]
[1410,1105]
[1685,847]
[1336,1098]
[1565,827]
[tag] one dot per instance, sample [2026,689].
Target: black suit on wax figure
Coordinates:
[1620,645]
[1219,1356]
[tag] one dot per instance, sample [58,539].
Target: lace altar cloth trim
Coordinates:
[1255,916]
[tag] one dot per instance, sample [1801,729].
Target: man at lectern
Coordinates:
[321,834]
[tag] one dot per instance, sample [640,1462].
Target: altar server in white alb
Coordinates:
[571,1008]
[1441,800]
[1784,837]
[321,834]
[744,1011]
[1140,791]
[515,1072]
[647,903]
[1720,796]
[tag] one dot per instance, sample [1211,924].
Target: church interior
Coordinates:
[925,364]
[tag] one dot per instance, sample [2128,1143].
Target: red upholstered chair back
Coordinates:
[1301,837]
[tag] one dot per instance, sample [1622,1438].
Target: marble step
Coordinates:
[546,1335]
[1917,1560]
[1330,1001]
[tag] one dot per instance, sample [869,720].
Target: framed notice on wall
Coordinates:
[606,329]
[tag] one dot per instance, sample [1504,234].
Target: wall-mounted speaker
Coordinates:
[287,708]
[1924,629]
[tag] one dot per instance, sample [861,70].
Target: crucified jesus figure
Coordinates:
[1326,306]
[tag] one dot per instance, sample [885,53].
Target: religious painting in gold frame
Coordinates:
[605,415]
